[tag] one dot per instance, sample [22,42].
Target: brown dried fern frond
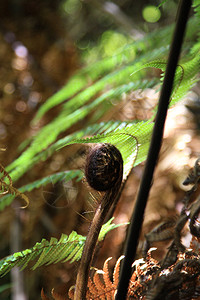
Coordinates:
[177,276]
[6,186]
[100,286]
[43,296]
[3,184]
[71,292]
[55,296]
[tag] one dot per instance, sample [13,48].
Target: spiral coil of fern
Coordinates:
[104,173]
[103,167]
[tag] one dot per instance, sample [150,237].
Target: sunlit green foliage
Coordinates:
[67,248]
[123,66]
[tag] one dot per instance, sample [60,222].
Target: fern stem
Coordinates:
[138,214]
[83,273]
[101,158]
[90,244]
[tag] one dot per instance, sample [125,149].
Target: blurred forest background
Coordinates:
[42,44]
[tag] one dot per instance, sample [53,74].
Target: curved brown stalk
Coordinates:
[110,196]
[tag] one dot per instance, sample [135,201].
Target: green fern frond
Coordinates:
[102,67]
[54,178]
[103,127]
[5,287]
[67,248]
[49,133]
[132,140]
[46,136]
[141,49]
[187,79]
[116,78]
[196,46]
[111,84]
[185,76]
[196,6]
[88,131]
[76,109]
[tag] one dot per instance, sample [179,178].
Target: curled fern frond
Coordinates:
[132,140]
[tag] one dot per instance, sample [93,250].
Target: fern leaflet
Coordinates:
[54,178]
[67,248]
[131,139]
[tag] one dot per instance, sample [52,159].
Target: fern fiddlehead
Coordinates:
[104,172]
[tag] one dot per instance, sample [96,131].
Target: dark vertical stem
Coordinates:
[138,214]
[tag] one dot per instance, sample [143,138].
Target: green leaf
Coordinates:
[101,68]
[131,139]
[152,45]
[185,76]
[54,178]
[5,287]
[49,133]
[67,248]
[93,89]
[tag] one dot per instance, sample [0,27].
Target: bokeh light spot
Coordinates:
[9,88]
[21,106]
[151,14]
[111,41]
[21,51]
